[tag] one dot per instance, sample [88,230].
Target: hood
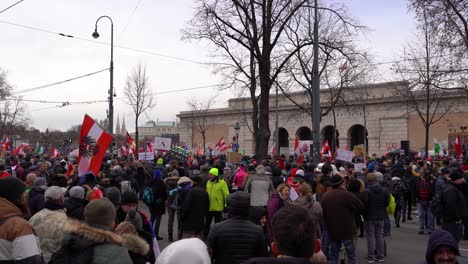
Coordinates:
[136,244]
[8,209]
[191,250]
[37,191]
[302,200]
[375,188]
[256,213]
[439,238]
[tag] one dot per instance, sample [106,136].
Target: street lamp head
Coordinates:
[95,34]
[237,127]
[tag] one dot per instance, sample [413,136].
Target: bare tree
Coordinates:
[421,65]
[12,109]
[138,94]
[249,39]
[199,118]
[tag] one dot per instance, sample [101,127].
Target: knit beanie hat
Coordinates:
[135,218]
[100,212]
[39,181]
[11,189]
[129,198]
[77,192]
[113,194]
[214,172]
[238,203]
[190,250]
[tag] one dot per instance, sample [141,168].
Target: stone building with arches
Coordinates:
[373,115]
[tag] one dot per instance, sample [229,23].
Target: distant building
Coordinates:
[118,129]
[158,128]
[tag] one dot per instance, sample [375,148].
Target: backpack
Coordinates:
[69,256]
[148,197]
[436,204]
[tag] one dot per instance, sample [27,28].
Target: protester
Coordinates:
[398,191]
[217,191]
[195,209]
[157,204]
[76,203]
[48,223]
[453,201]
[173,207]
[375,200]
[425,190]
[93,241]
[190,250]
[442,248]
[244,239]
[306,200]
[340,206]
[36,195]
[239,178]
[18,242]
[260,187]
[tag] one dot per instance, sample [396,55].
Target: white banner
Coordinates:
[161,143]
[304,146]
[145,156]
[359,166]
[345,155]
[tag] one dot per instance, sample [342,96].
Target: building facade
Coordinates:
[158,128]
[376,116]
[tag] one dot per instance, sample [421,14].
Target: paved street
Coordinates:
[404,246]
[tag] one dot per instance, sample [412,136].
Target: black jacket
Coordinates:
[75,208]
[158,207]
[453,202]
[279,261]
[195,209]
[36,200]
[375,200]
[236,240]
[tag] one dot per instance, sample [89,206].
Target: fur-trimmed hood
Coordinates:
[80,235]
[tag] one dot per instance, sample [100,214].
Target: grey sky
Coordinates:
[33,58]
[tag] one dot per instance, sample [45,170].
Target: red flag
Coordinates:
[457,146]
[141,150]
[300,160]
[281,163]
[189,161]
[273,149]
[221,144]
[6,143]
[124,150]
[226,147]
[149,146]
[21,149]
[297,150]
[93,145]
[54,153]
[131,144]
[325,147]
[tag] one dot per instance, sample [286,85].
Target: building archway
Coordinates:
[283,137]
[304,133]
[327,134]
[357,135]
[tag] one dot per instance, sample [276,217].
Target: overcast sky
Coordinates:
[33,58]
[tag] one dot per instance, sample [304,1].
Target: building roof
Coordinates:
[150,124]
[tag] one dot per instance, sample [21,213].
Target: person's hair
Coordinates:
[294,231]
[354,186]
[306,190]
[280,187]
[326,169]
[260,169]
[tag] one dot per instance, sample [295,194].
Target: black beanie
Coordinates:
[238,203]
[11,189]
[129,198]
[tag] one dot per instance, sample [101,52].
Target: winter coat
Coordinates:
[107,246]
[453,202]
[260,188]
[217,191]
[75,208]
[239,177]
[314,209]
[430,184]
[36,199]
[398,191]
[195,209]
[375,200]
[172,188]
[339,210]
[158,207]
[236,240]
[48,225]
[18,242]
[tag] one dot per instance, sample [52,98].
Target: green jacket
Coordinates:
[217,191]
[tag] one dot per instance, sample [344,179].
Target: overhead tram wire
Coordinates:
[129,19]
[103,43]
[60,82]
[11,6]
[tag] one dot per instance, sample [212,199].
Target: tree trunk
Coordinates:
[137,149]
[426,140]
[204,142]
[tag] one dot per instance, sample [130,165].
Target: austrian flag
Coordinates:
[93,145]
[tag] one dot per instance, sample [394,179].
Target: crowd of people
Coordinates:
[270,211]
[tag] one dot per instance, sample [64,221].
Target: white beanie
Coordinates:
[190,250]
[300,172]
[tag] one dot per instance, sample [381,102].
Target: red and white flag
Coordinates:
[221,144]
[131,144]
[124,151]
[297,149]
[273,148]
[149,146]
[21,149]
[6,143]
[326,147]
[227,147]
[93,145]
[54,153]
[457,146]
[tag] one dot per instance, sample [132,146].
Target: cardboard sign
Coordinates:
[359,150]
[145,156]
[234,157]
[161,143]
[359,166]
[344,155]
[305,146]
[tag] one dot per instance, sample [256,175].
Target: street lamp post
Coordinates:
[237,129]
[111,70]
